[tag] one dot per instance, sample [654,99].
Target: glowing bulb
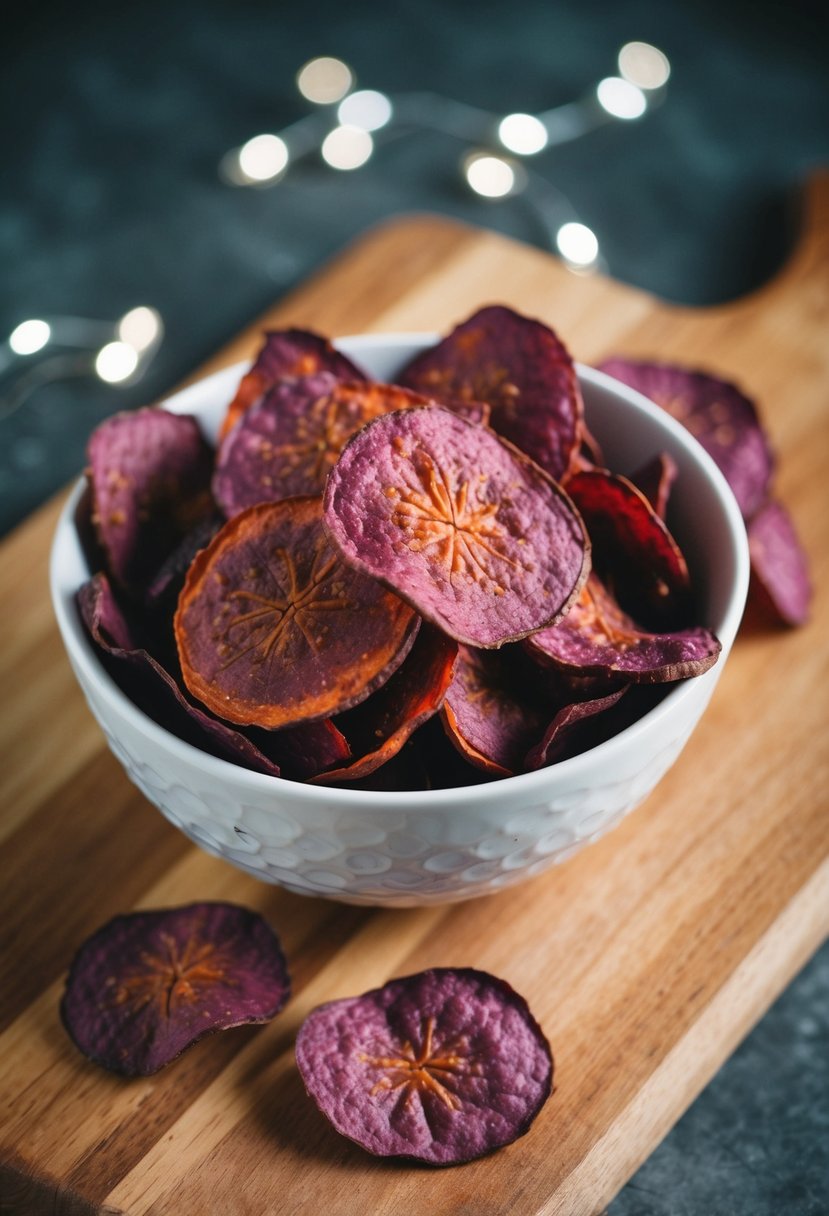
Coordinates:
[263,158]
[139,328]
[577,244]
[347,148]
[621,98]
[523,133]
[366,109]
[644,65]
[116,362]
[324,81]
[29,337]
[490,176]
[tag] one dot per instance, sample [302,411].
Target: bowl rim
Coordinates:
[83,655]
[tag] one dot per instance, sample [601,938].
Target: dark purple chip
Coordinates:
[147,986]
[441,1067]
[716,413]
[521,369]
[273,629]
[287,443]
[150,686]
[162,594]
[632,549]
[655,479]
[377,729]
[597,637]
[779,565]
[458,522]
[494,711]
[287,352]
[150,474]
[564,736]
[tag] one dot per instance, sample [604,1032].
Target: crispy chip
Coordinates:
[597,637]
[779,565]
[377,729]
[147,986]
[458,522]
[150,475]
[288,442]
[521,369]
[443,1066]
[287,352]
[716,413]
[273,629]
[655,479]
[565,736]
[632,549]
[153,689]
[494,710]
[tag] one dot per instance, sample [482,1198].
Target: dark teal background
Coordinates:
[113,120]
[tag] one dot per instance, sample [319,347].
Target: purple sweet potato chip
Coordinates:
[164,589]
[779,565]
[493,712]
[563,736]
[442,1067]
[287,443]
[655,479]
[717,413]
[286,352]
[458,522]
[151,687]
[597,637]
[521,369]
[378,728]
[632,548]
[147,986]
[273,629]
[150,475]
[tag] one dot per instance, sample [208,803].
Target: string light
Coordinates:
[116,362]
[347,148]
[523,134]
[29,337]
[366,109]
[324,80]
[644,65]
[140,328]
[620,98]
[263,158]
[490,176]
[578,245]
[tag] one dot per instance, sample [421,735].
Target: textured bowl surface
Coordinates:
[441,845]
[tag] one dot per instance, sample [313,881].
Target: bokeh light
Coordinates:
[29,337]
[347,148]
[489,176]
[577,244]
[324,80]
[644,65]
[140,328]
[621,98]
[263,158]
[523,134]
[116,362]
[366,109]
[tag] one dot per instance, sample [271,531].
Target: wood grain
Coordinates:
[646,957]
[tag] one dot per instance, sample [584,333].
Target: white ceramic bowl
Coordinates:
[441,845]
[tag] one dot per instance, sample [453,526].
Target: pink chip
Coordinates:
[459,523]
[443,1066]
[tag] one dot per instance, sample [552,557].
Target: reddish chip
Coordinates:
[442,1067]
[272,628]
[288,442]
[722,418]
[597,637]
[150,474]
[377,729]
[655,479]
[147,986]
[633,549]
[494,711]
[779,565]
[565,735]
[287,352]
[521,369]
[150,686]
[463,525]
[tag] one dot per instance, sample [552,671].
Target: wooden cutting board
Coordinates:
[647,957]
